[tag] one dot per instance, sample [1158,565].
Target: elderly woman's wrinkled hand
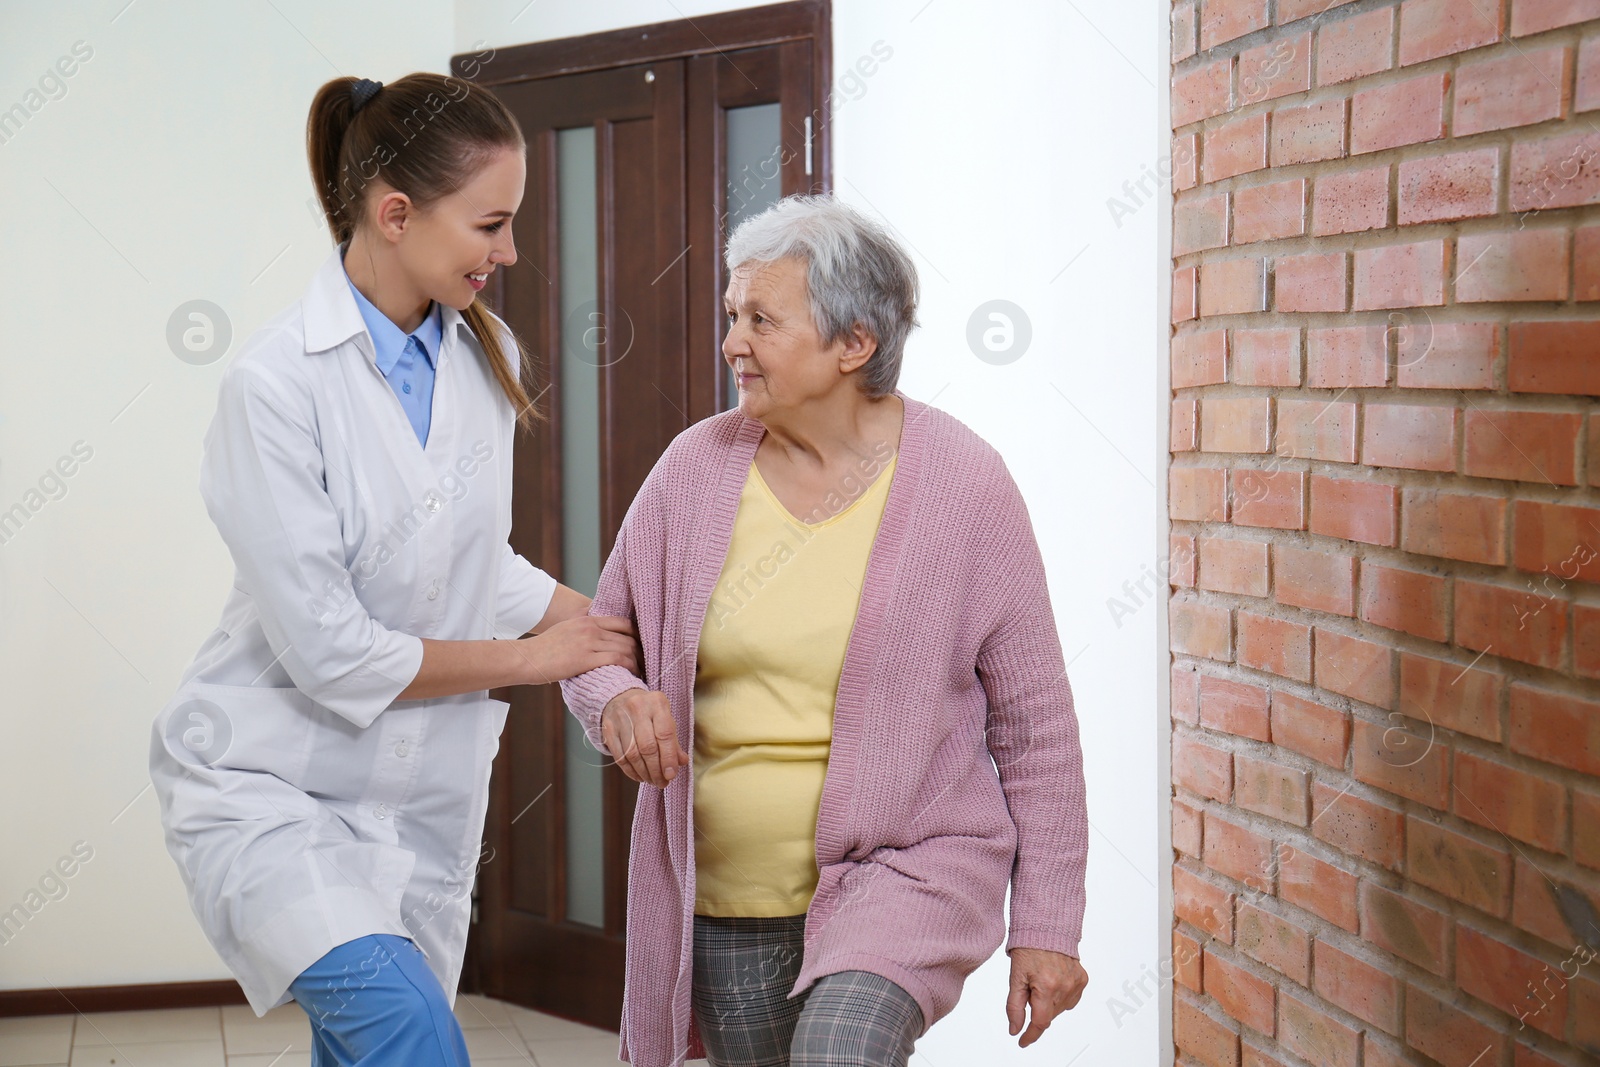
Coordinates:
[1047,983]
[641,735]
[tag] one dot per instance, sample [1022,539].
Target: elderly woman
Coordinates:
[844,619]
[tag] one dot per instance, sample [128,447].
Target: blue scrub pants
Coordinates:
[373,1002]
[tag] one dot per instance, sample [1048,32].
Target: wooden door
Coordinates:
[617,290]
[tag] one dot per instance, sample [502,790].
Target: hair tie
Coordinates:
[362,91]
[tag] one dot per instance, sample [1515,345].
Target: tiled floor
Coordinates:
[497,1033]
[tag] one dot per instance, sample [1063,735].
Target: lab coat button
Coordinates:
[432,502]
[433,591]
[400,749]
[381,812]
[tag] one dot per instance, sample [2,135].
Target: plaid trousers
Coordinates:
[743,971]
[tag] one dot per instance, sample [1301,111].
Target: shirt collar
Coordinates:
[389,340]
[332,315]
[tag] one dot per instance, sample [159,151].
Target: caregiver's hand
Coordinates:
[1047,982]
[639,731]
[579,645]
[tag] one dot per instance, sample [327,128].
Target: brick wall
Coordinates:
[1385,526]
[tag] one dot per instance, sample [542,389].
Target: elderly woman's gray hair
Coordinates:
[856,273]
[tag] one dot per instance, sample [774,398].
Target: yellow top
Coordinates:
[771,651]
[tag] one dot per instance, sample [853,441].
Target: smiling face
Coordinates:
[780,361]
[466,233]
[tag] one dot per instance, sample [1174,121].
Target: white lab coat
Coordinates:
[304,805]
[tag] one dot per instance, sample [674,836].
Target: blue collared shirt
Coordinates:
[406,360]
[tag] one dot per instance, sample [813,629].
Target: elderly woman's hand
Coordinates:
[641,735]
[1048,982]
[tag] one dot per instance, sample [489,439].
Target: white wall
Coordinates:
[990,140]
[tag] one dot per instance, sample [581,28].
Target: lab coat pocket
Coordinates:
[242,727]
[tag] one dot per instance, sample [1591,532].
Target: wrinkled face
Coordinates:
[779,360]
[449,248]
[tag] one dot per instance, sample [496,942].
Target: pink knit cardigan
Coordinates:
[953,659]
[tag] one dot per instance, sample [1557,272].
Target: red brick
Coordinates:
[1275,69]
[1353,200]
[1317,429]
[1197,629]
[1410,930]
[1510,801]
[1315,579]
[1233,287]
[1452,695]
[1355,47]
[1415,436]
[1273,940]
[1269,212]
[1221,22]
[1236,424]
[1586,828]
[1586,254]
[1586,640]
[1357,826]
[1199,223]
[1203,769]
[1202,92]
[1309,728]
[1320,888]
[1314,1035]
[1244,996]
[1458,866]
[1541,903]
[1554,357]
[1354,667]
[1356,986]
[1199,357]
[1290,10]
[1523,1056]
[1405,761]
[1585,999]
[1516,89]
[1268,788]
[1397,598]
[1268,498]
[1592,461]
[1535,16]
[1180,562]
[1185,960]
[1236,147]
[1183,32]
[1557,539]
[1234,707]
[1185,162]
[1586,96]
[1338,356]
[1447,355]
[1448,1034]
[1498,974]
[1556,728]
[1510,623]
[1240,853]
[1375,1052]
[1202,1037]
[1560,171]
[1182,436]
[1310,282]
[1185,294]
[1526,265]
[1400,113]
[1355,510]
[1186,829]
[1233,565]
[1196,494]
[1524,446]
[1202,904]
[1433,28]
[1453,525]
[1185,680]
[1461,185]
[1266,357]
[1277,646]
[1308,133]
[1392,276]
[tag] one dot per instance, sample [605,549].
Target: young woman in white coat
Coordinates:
[323,767]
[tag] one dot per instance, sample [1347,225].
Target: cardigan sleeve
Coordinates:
[1032,733]
[588,694]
